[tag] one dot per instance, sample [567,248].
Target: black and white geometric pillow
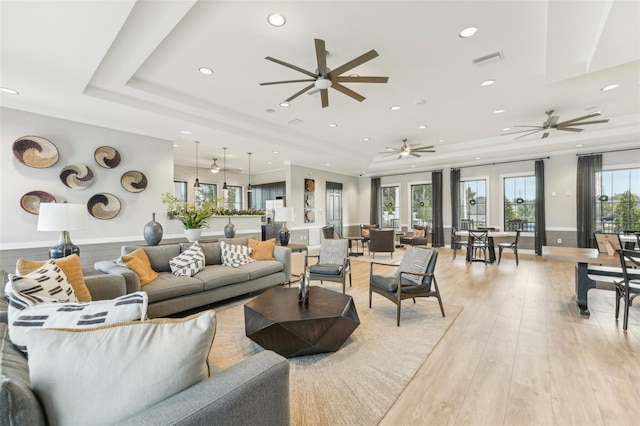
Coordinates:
[189,262]
[47,284]
[235,255]
[130,307]
[415,260]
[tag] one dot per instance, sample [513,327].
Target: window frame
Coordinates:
[409,202]
[237,205]
[503,195]
[397,207]
[610,168]
[184,196]
[487,201]
[196,190]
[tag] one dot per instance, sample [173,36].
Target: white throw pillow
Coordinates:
[189,262]
[103,375]
[130,307]
[235,255]
[47,284]
[415,260]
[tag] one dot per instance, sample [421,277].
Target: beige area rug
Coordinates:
[360,382]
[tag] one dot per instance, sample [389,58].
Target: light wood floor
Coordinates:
[519,353]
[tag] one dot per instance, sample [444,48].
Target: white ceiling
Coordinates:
[133,66]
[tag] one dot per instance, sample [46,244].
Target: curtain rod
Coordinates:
[500,162]
[606,152]
[405,173]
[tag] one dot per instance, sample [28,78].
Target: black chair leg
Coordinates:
[499,254]
[515,251]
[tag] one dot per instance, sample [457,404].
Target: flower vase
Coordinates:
[153,231]
[229,229]
[193,234]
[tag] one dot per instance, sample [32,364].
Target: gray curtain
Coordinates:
[374,210]
[541,226]
[588,166]
[455,198]
[438,227]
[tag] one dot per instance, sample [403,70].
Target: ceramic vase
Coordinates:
[229,229]
[193,234]
[153,231]
[303,289]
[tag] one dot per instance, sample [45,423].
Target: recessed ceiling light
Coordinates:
[413,165]
[327,164]
[394,108]
[276,20]
[275,152]
[270,110]
[8,91]
[354,75]
[419,102]
[506,129]
[185,132]
[440,140]
[333,125]
[468,32]
[477,158]
[366,139]
[610,87]
[284,104]
[175,144]
[205,70]
[579,145]
[498,111]
[422,127]
[268,162]
[487,83]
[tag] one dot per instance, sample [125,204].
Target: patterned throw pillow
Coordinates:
[262,250]
[189,262]
[415,260]
[418,233]
[71,267]
[235,255]
[130,307]
[47,284]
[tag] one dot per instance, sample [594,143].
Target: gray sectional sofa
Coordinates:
[170,294]
[255,391]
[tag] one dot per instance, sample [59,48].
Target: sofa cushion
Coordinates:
[168,286]
[235,255]
[159,256]
[71,267]
[47,284]
[325,269]
[138,262]
[131,367]
[212,252]
[262,250]
[215,276]
[75,315]
[189,262]
[262,268]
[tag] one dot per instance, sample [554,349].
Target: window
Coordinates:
[618,200]
[233,200]
[206,191]
[520,203]
[421,210]
[180,189]
[390,207]
[473,204]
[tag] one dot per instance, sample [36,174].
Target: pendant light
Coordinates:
[224,186]
[197,183]
[249,189]
[214,167]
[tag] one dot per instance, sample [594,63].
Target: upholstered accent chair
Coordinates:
[419,236]
[415,277]
[332,262]
[329,233]
[365,232]
[382,240]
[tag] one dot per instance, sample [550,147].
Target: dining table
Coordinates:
[491,245]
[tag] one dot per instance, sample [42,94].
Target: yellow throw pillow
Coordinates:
[262,250]
[418,233]
[138,262]
[365,232]
[71,267]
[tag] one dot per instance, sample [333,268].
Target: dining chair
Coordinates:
[332,263]
[513,246]
[414,277]
[478,243]
[629,287]
[456,242]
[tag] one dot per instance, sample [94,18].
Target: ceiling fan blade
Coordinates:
[314,91]
[423,148]
[287,81]
[585,122]
[537,127]
[399,157]
[300,92]
[414,154]
[573,120]
[293,67]
[388,154]
[530,133]
[553,120]
[359,79]
[353,63]
[570,129]
[324,97]
[321,56]
[544,135]
[340,88]
[522,131]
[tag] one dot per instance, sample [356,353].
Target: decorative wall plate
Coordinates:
[107,157]
[30,202]
[76,176]
[309,216]
[34,151]
[309,200]
[309,185]
[103,206]
[134,181]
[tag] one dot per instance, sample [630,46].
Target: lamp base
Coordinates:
[64,248]
[284,235]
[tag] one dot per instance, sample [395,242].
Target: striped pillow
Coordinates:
[235,255]
[189,262]
[47,284]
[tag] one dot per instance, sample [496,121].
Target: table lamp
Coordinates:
[284,214]
[62,217]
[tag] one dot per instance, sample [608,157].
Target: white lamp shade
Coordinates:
[62,217]
[284,214]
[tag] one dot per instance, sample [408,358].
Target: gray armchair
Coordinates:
[333,263]
[419,237]
[382,240]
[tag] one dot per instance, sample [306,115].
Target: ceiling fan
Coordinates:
[324,78]
[410,149]
[552,123]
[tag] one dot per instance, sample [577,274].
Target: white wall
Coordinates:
[76,143]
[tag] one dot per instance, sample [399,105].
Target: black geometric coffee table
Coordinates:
[276,321]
